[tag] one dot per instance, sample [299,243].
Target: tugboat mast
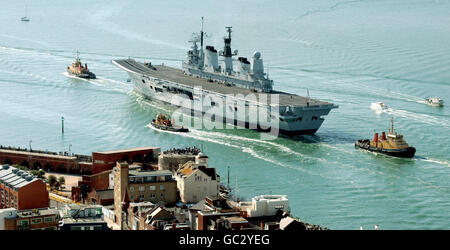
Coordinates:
[392,129]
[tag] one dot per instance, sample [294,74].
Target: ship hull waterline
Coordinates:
[402,153]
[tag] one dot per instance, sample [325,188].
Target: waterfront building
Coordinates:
[174,158]
[195,180]
[21,190]
[265,205]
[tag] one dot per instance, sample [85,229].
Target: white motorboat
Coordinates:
[435,101]
[379,106]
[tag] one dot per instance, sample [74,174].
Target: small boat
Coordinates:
[392,145]
[379,106]
[161,122]
[435,101]
[78,70]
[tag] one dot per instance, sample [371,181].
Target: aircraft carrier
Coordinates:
[294,114]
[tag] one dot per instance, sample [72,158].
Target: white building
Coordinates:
[195,180]
[266,205]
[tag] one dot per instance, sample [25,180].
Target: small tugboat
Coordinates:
[379,106]
[161,122]
[78,70]
[393,145]
[435,101]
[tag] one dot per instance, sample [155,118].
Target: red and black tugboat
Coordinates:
[161,122]
[392,145]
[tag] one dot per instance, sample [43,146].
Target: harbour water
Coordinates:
[350,53]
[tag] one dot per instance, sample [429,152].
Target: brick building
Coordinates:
[136,185]
[20,190]
[35,219]
[104,162]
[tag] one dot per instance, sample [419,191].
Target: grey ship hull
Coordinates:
[297,115]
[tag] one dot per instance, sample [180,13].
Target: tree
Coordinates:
[61,181]
[34,172]
[52,180]
[41,173]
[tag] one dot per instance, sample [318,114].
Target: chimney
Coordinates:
[375,137]
[383,136]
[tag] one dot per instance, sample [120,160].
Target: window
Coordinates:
[36,221]
[161,187]
[131,189]
[49,219]
[162,195]
[142,188]
[152,187]
[22,223]
[97,227]
[141,196]
[75,228]
[152,196]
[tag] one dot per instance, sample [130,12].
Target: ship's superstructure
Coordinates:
[204,63]
[294,114]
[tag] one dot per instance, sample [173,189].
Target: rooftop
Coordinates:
[148,173]
[15,178]
[127,150]
[37,212]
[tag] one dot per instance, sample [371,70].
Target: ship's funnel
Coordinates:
[211,61]
[375,137]
[383,136]
[243,66]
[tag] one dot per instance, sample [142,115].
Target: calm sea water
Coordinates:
[351,53]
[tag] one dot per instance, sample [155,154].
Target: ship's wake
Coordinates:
[259,149]
[423,118]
